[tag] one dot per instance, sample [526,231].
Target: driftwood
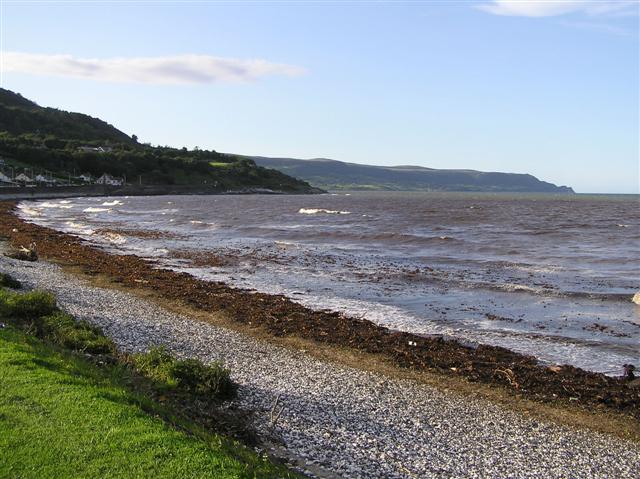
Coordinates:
[275,415]
[25,254]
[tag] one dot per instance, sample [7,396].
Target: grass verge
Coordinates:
[62,416]
[67,413]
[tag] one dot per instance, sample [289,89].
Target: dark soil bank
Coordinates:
[522,375]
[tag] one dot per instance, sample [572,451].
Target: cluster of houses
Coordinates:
[107,179]
[5,180]
[9,175]
[23,179]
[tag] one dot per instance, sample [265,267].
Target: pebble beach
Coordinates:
[338,421]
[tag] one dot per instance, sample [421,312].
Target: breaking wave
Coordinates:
[46,204]
[91,209]
[78,228]
[314,211]
[29,211]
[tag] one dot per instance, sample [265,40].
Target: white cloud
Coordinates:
[551,8]
[179,69]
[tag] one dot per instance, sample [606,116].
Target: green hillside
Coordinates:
[19,116]
[58,143]
[338,175]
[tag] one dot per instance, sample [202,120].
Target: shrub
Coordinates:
[189,375]
[36,312]
[27,305]
[207,380]
[9,281]
[64,330]
[155,364]
[86,340]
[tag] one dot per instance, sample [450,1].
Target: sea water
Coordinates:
[551,276]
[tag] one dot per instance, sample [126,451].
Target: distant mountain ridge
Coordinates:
[338,175]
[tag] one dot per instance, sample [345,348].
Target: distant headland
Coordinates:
[338,175]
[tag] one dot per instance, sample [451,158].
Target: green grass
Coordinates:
[22,306]
[37,313]
[219,164]
[72,406]
[62,416]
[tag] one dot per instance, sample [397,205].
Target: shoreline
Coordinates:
[520,376]
[43,192]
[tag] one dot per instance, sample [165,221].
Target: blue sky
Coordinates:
[547,88]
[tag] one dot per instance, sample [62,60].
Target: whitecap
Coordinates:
[112,203]
[91,209]
[46,204]
[313,211]
[79,228]
[30,211]
[519,288]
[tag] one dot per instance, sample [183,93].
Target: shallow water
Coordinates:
[551,276]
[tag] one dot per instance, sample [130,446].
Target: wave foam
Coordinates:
[29,211]
[313,211]
[78,228]
[91,209]
[46,204]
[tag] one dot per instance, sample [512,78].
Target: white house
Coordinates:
[43,179]
[4,179]
[107,179]
[85,178]
[22,178]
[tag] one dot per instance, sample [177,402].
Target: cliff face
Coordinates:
[338,175]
